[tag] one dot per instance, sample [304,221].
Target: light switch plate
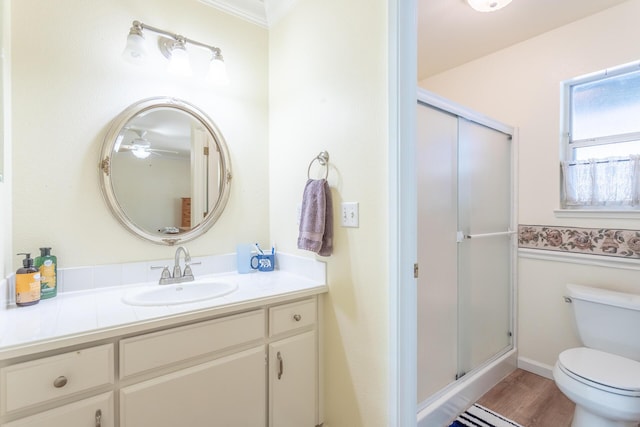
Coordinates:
[350,216]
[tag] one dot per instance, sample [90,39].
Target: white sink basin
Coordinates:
[180,293]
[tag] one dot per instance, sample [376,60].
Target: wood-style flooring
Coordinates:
[530,400]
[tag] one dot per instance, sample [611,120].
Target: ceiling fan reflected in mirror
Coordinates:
[140,147]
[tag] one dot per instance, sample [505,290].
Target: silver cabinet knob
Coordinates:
[297,317]
[60,382]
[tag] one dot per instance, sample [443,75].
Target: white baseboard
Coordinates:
[535,367]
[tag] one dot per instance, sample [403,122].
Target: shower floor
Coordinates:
[530,400]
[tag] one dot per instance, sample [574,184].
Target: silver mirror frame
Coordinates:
[106,185]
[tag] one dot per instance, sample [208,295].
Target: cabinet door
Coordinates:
[229,391]
[92,412]
[293,381]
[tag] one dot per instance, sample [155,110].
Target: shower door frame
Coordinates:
[455,397]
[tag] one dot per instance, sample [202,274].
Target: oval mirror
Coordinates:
[165,170]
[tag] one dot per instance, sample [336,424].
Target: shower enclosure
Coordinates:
[466,252]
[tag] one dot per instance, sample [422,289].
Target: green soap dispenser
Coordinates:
[47,264]
[27,282]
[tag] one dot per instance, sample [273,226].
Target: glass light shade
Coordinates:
[140,152]
[488,5]
[179,62]
[136,49]
[218,72]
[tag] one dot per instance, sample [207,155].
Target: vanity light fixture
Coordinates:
[488,5]
[174,48]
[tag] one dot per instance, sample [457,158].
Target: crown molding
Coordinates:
[263,13]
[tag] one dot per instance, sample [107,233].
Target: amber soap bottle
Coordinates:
[27,282]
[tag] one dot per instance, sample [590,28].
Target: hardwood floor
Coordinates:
[530,400]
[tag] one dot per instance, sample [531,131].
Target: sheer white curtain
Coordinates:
[614,181]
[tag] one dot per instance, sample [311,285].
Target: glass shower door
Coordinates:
[484,244]
[465,249]
[436,157]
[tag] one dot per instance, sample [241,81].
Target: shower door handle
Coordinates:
[461,236]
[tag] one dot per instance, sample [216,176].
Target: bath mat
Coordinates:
[479,416]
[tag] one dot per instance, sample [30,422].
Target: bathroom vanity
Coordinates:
[250,358]
[156,353]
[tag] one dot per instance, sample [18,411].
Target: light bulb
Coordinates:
[179,62]
[218,71]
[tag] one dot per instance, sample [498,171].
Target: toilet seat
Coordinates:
[586,365]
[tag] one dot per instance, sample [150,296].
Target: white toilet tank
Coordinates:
[607,320]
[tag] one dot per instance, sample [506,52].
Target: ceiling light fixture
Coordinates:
[174,48]
[140,147]
[140,152]
[488,5]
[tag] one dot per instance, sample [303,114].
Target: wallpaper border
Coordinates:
[609,242]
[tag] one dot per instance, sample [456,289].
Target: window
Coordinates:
[601,165]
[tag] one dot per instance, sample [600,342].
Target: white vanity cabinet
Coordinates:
[254,367]
[293,365]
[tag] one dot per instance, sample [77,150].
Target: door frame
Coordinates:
[402,347]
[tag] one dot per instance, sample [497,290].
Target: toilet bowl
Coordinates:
[603,377]
[605,387]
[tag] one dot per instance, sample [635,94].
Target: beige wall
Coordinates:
[521,86]
[328,91]
[69,82]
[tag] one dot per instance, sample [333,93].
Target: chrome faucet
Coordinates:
[178,275]
[188,275]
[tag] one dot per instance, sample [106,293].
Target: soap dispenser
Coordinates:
[47,264]
[27,282]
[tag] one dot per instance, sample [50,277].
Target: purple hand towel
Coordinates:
[316,218]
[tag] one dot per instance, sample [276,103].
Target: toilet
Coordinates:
[603,377]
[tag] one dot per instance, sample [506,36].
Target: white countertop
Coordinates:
[73,318]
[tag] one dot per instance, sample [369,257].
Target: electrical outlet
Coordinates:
[350,214]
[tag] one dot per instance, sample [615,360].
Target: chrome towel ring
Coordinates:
[323,159]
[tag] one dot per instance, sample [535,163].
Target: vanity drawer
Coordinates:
[38,381]
[158,349]
[288,317]
[93,411]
